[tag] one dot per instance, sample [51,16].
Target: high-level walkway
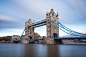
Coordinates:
[38,24]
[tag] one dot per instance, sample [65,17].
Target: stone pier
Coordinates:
[48,40]
[52,30]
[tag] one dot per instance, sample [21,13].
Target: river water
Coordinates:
[41,50]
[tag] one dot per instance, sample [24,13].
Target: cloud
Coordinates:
[3,17]
[8,22]
[78,5]
[14,14]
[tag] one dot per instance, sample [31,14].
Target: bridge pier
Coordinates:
[29,31]
[48,40]
[59,41]
[52,30]
[51,41]
[25,41]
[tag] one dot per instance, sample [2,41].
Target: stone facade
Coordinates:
[48,40]
[52,30]
[29,31]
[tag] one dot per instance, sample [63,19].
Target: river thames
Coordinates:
[41,50]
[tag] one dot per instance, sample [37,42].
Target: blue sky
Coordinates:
[14,14]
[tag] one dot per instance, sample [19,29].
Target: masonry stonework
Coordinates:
[52,30]
[29,31]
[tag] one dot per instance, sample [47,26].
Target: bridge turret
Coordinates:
[57,14]
[57,18]
[47,14]
[29,32]
[52,12]
[29,21]
[52,30]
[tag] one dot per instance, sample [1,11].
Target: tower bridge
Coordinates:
[52,26]
[52,30]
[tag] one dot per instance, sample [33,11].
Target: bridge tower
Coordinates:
[52,30]
[29,31]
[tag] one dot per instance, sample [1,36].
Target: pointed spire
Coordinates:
[29,18]
[57,14]
[52,11]
[52,8]
[30,22]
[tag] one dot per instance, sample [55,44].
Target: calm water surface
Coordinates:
[40,50]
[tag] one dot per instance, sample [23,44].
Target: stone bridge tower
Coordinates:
[29,31]
[52,30]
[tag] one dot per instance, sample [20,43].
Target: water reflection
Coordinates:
[36,50]
[72,50]
[11,50]
[40,50]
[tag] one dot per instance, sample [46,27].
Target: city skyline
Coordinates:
[14,14]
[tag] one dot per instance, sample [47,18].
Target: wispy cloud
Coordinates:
[3,17]
[14,14]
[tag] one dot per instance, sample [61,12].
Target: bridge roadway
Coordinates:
[61,38]
[70,38]
[38,24]
[32,40]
